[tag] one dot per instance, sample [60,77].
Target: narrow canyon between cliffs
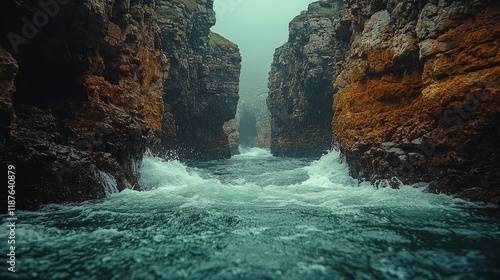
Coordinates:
[250,139]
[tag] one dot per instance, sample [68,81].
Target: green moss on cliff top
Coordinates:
[217,40]
[190,4]
[324,10]
[169,13]
[171,10]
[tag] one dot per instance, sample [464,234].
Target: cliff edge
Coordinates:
[300,83]
[419,94]
[201,93]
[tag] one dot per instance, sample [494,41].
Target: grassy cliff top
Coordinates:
[320,9]
[216,39]
[169,10]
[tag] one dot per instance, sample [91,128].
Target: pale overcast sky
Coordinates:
[258,27]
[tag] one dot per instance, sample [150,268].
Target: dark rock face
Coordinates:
[419,94]
[81,96]
[300,83]
[8,71]
[201,93]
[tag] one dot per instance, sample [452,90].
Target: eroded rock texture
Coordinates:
[201,93]
[419,94]
[81,96]
[300,83]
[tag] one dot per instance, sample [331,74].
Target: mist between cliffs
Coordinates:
[258,27]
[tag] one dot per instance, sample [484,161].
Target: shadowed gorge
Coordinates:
[248,129]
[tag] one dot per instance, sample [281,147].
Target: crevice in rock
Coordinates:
[248,129]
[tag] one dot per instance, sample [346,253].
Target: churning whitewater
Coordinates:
[256,216]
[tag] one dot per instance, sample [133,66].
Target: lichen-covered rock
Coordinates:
[419,94]
[300,83]
[201,93]
[87,99]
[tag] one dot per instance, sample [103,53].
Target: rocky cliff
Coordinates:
[201,93]
[300,83]
[419,94]
[81,95]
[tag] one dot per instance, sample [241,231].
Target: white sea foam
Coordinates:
[253,152]
[257,216]
[326,184]
[109,182]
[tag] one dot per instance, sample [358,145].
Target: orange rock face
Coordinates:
[81,100]
[419,96]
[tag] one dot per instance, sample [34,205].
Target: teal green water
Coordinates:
[256,216]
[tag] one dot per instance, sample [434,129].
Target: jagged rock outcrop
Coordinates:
[300,83]
[419,94]
[201,93]
[81,95]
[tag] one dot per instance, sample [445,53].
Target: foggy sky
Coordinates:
[258,27]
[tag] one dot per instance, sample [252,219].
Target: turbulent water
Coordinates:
[256,216]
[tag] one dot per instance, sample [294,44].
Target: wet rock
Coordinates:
[201,93]
[85,98]
[423,76]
